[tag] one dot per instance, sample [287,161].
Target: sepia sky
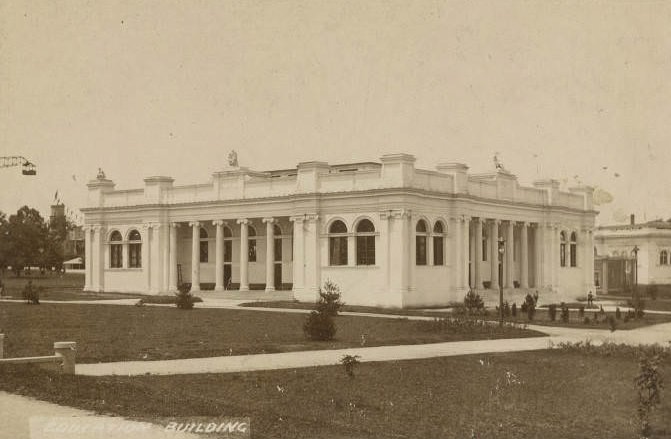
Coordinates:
[560,89]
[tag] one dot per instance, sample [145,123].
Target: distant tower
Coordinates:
[57,211]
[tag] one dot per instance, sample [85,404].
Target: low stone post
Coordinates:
[2,345]
[67,351]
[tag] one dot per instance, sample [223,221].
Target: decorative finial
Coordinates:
[233,159]
[101,174]
[498,164]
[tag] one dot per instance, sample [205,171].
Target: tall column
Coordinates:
[604,275]
[411,242]
[87,258]
[465,241]
[146,249]
[172,287]
[588,266]
[539,239]
[219,256]
[299,256]
[524,256]
[155,259]
[472,245]
[478,253]
[195,256]
[270,254]
[510,254]
[383,254]
[494,252]
[455,239]
[400,257]
[555,256]
[312,256]
[244,254]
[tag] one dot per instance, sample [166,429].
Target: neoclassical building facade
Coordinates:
[388,233]
[619,247]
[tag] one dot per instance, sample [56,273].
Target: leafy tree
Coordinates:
[26,239]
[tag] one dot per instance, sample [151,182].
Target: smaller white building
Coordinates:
[618,247]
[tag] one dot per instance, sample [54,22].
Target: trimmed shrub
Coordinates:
[586,321]
[612,323]
[183,298]
[552,312]
[529,306]
[581,311]
[513,310]
[319,326]
[349,361]
[618,313]
[30,294]
[473,302]
[506,309]
[329,299]
[564,314]
[652,292]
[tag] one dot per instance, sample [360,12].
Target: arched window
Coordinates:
[134,249]
[562,248]
[365,243]
[438,243]
[251,234]
[116,250]
[204,254]
[338,243]
[574,250]
[663,257]
[420,242]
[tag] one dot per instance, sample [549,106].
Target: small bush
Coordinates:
[329,299]
[586,321]
[612,323]
[618,313]
[552,312]
[529,305]
[184,299]
[626,318]
[652,292]
[564,314]
[581,311]
[506,309]
[513,310]
[601,311]
[30,294]
[473,302]
[319,326]
[349,361]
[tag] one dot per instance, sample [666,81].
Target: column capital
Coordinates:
[174,225]
[97,227]
[465,218]
[194,223]
[87,228]
[297,218]
[270,220]
[477,219]
[241,221]
[311,217]
[525,224]
[218,223]
[385,216]
[494,221]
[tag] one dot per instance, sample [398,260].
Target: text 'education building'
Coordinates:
[387,233]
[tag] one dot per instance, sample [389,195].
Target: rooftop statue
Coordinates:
[101,174]
[498,164]
[233,159]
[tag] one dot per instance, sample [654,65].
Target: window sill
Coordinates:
[351,266]
[123,269]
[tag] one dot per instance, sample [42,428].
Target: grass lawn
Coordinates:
[56,287]
[292,304]
[597,320]
[543,394]
[115,333]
